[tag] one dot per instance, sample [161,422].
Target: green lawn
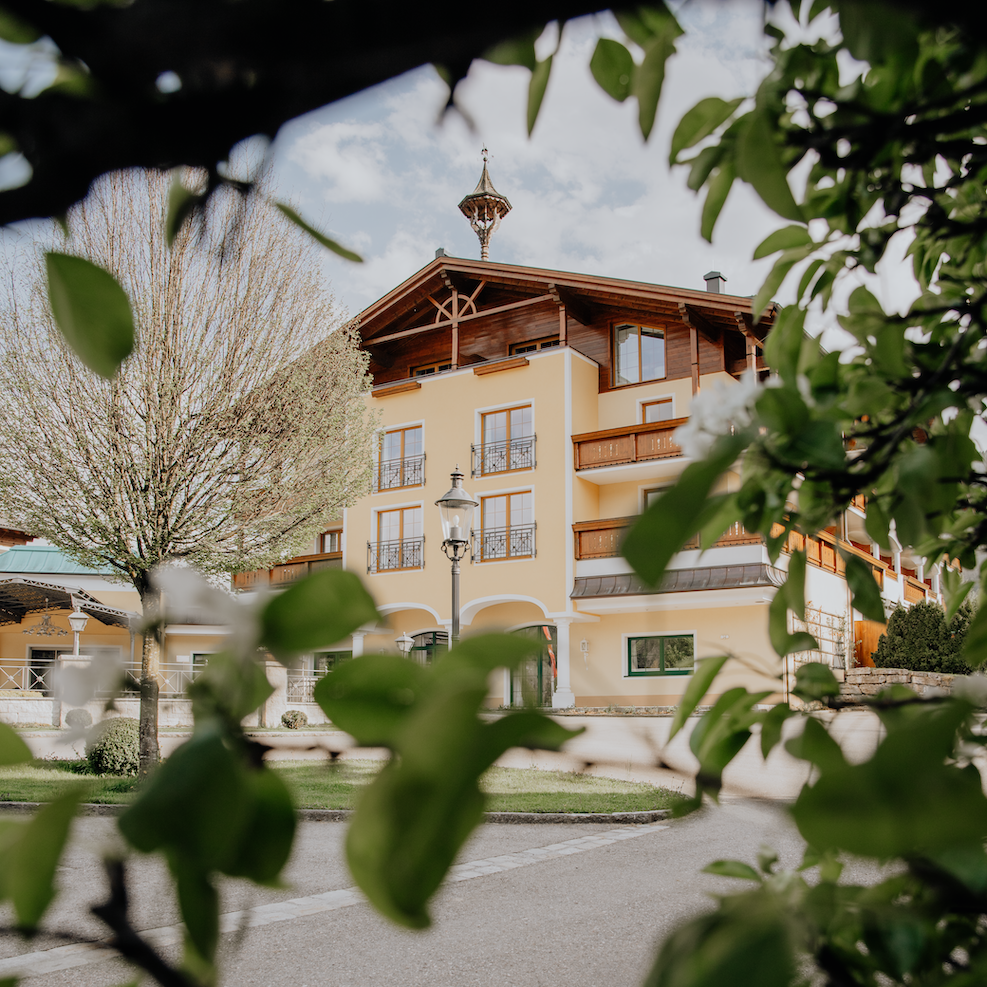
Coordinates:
[325,785]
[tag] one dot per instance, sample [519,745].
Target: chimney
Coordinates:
[441,252]
[714,282]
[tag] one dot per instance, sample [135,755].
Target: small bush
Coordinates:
[78,719]
[115,747]
[294,719]
[920,640]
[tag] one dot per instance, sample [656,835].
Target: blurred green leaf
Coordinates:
[759,163]
[516,51]
[700,122]
[536,90]
[706,671]
[269,831]
[315,612]
[370,697]
[318,236]
[613,68]
[13,750]
[955,590]
[732,868]
[92,312]
[815,681]
[783,239]
[716,197]
[677,514]
[975,642]
[746,943]
[181,203]
[866,594]
[771,727]
[815,745]
[29,856]
[16,30]
[198,902]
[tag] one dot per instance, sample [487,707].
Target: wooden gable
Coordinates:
[457,313]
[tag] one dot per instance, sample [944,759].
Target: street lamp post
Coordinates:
[456,508]
[77,621]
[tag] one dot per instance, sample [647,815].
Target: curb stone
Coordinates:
[341,815]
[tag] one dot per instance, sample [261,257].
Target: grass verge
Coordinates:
[335,785]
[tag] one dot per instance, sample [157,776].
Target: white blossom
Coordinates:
[714,411]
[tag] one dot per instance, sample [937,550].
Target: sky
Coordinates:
[382,174]
[383,171]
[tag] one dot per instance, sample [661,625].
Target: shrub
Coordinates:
[294,719]
[78,719]
[115,747]
[920,640]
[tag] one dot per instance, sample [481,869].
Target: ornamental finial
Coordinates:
[485,207]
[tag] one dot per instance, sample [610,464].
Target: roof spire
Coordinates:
[484,207]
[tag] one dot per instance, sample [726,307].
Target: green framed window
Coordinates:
[326,661]
[672,654]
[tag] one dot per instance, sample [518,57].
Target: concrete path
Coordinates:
[529,906]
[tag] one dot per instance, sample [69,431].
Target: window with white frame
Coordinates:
[331,541]
[507,527]
[638,354]
[666,654]
[657,411]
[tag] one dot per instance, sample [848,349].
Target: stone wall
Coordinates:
[865,683]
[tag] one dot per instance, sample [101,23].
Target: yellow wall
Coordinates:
[623,406]
[598,676]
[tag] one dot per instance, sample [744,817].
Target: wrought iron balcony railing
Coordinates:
[504,457]
[404,553]
[516,542]
[390,474]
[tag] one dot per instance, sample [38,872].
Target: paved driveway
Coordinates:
[530,905]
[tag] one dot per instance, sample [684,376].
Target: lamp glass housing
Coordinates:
[456,510]
[78,621]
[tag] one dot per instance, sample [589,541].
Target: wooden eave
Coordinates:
[407,307]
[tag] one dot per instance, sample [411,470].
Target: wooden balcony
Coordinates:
[915,590]
[821,551]
[288,572]
[602,539]
[630,444]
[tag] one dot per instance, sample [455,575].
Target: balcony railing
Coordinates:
[390,474]
[823,551]
[631,444]
[504,457]
[21,675]
[405,553]
[288,572]
[301,684]
[602,539]
[516,542]
[915,590]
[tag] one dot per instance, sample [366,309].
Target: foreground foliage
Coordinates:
[888,122]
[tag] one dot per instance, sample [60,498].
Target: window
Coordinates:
[671,655]
[430,368]
[657,411]
[331,541]
[638,354]
[507,528]
[326,661]
[508,442]
[400,543]
[400,459]
[532,345]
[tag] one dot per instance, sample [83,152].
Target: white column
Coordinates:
[358,637]
[563,697]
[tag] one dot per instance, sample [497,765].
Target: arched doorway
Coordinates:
[428,646]
[533,681]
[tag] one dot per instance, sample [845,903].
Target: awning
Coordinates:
[20,597]
[716,577]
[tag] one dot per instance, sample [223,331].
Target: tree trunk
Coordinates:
[150,676]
